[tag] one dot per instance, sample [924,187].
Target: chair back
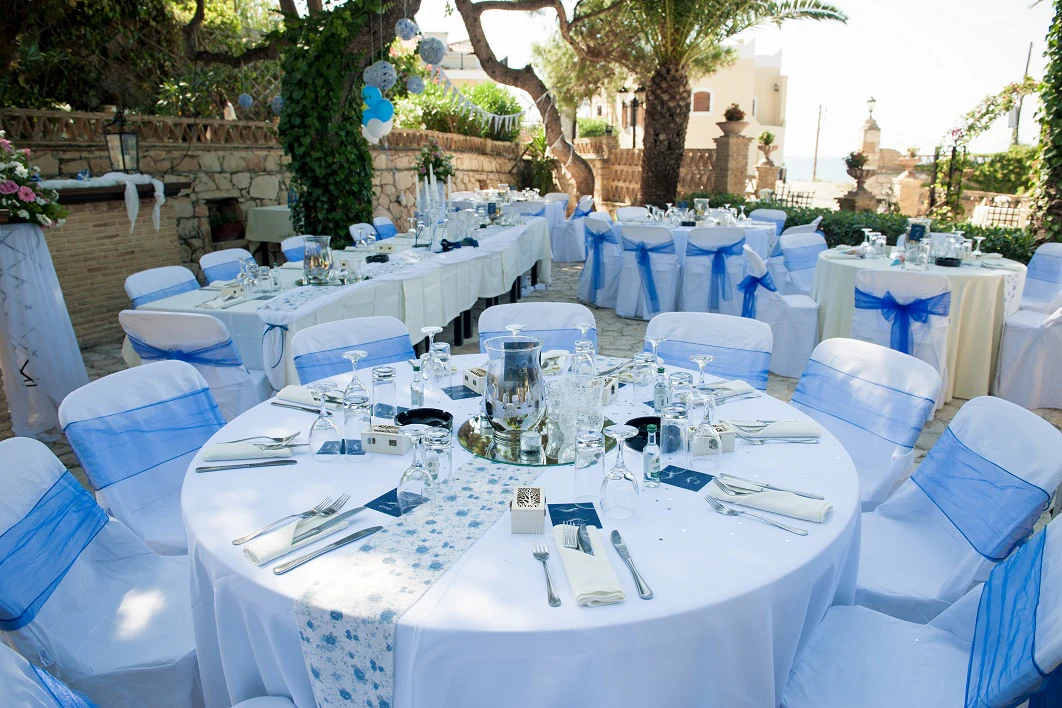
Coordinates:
[774,216]
[801,253]
[555,323]
[584,207]
[135,431]
[741,347]
[529,208]
[757,282]
[26,686]
[1044,278]
[294,248]
[223,264]
[363,229]
[808,228]
[601,215]
[650,248]
[158,283]
[318,350]
[713,267]
[462,195]
[632,213]
[384,227]
[557,197]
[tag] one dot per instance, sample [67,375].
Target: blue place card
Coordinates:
[684,478]
[341,447]
[457,393]
[387,503]
[382,410]
[582,513]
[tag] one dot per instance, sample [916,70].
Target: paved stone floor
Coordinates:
[616,337]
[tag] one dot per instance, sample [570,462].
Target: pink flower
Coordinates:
[5,144]
[27,194]
[8,187]
[26,152]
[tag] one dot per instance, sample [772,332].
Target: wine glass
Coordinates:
[866,236]
[355,387]
[515,329]
[440,363]
[416,484]
[325,439]
[742,216]
[655,342]
[583,360]
[583,328]
[705,443]
[701,360]
[619,490]
[430,333]
[642,374]
[978,256]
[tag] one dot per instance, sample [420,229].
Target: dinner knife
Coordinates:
[296,406]
[643,588]
[285,567]
[337,519]
[242,465]
[771,487]
[584,541]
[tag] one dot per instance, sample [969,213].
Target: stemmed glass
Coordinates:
[416,484]
[742,216]
[583,328]
[583,360]
[705,444]
[325,439]
[654,342]
[866,237]
[440,365]
[642,377]
[619,491]
[978,256]
[357,411]
[430,332]
[515,329]
[701,360]
[355,387]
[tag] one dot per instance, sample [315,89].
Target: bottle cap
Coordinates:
[659,369]
[650,428]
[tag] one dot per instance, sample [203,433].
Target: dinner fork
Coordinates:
[736,397]
[274,439]
[727,511]
[570,535]
[325,508]
[753,440]
[542,554]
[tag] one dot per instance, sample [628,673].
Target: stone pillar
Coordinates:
[766,176]
[870,143]
[731,163]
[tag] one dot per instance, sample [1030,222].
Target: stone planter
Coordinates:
[767,150]
[732,127]
[860,198]
[909,163]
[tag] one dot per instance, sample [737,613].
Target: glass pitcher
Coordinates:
[515,395]
[317,262]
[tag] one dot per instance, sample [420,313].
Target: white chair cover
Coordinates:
[584,206]
[875,401]
[266,702]
[809,228]
[557,197]
[711,270]
[1029,372]
[741,347]
[610,262]
[26,686]
[384,227]
[601,215]
[567,239]
[775,259]
[318,350]
[223,264]
[794,319]
[632,213]
[294,248]
[977,494]
[462,195]
[800,253]
[529,208]
[555,323]
[204,342]
[135,432]
[158,283]
[357,230]
[117,624]
[1043,282]
[927,340]
[775,216]
[648,283]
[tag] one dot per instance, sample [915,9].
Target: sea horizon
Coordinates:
[830,169]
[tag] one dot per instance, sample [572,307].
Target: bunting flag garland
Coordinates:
[494,121]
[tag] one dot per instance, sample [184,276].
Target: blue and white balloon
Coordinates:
[406,29]
[432,51]
[380,74]
[415,84]
[277,104]
[377,116]
[245,100]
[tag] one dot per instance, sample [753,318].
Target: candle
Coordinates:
[416,196]
[449,187]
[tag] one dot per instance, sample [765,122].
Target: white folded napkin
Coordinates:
[302,396]
[276,543]
[726,389]
[240,451]
[554,361]
[788,429]
[592,579]
[782,503]
[293,265]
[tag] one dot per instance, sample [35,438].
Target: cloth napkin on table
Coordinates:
[298,394]
[787,429]
[782,503]
[276,543]
[726,389]
[591,578]
[292,265]
[241,451]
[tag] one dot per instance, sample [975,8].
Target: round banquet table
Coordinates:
[735,599]
[981,299]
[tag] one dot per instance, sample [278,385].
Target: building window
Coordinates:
[702,102]
[626,115]
[755,107]
[600,111]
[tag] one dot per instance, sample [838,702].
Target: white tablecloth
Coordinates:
[981,299]
[270,224]
[430,292]
[735,600]
[759,236]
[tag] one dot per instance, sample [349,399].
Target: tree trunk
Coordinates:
[528,80]
[667,114]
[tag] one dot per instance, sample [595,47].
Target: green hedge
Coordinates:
[591,127]
[847,226]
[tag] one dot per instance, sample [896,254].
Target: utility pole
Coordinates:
[815,160]
[1017,110]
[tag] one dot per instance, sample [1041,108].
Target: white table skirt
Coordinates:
[735,600]
[759,236]
[981,299]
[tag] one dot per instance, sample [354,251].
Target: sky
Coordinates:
[927,62]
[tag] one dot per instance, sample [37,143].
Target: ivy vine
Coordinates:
[1047,196]
[320,127]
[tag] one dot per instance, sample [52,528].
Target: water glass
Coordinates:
[265,280]
[680,388]
[619,490]
[384,394]
[438,454]
[674,424]
[325,440]
[583,360]
[589,466]
[416,485]
[357,422]
[441,372]
[642,380]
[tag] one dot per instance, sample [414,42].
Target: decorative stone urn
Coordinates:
[909,163]
[860,198]
[767,150]
[733,127]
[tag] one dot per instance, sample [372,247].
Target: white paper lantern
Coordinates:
[406,29]
[415,84]
[432,50]
[381,75]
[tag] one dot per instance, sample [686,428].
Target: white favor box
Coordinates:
[527,510]
[727,434]
[386,439]
[610,389]
[475,379]
[232,290]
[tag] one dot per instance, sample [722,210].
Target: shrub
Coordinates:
[766,138]
[855,160]
[432,110]
[591,127]
[734,112]
[1010,172]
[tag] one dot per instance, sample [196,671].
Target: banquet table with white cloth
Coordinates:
[416,287]
[760,236]
[981,299]
[735,599]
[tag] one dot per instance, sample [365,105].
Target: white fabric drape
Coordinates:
[132,197]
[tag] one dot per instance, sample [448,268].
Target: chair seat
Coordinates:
[858,657]
[800,302]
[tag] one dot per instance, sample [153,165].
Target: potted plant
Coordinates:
[767,147]
[909,162]
[735,120]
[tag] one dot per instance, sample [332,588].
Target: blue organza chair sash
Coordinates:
[645,269]
[901,316]
[295,254]
[540,211]
[222,271]
[165,293]
[746,364]
[37,552]
[779,224]
[551,338]
[385,230]
[719,287]
[776,250]
[220,354]
[749,285]
[313,366]
[580,212]
[124,444]
[595,246]
[1045,266]
[1003,669]
[802,257]
[994,509]
[65,697]
[888,413]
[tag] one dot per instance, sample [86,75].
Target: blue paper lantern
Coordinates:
[380,74]
[245,100]
[406,29]
[432,51]
[415,84]
[277,105]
